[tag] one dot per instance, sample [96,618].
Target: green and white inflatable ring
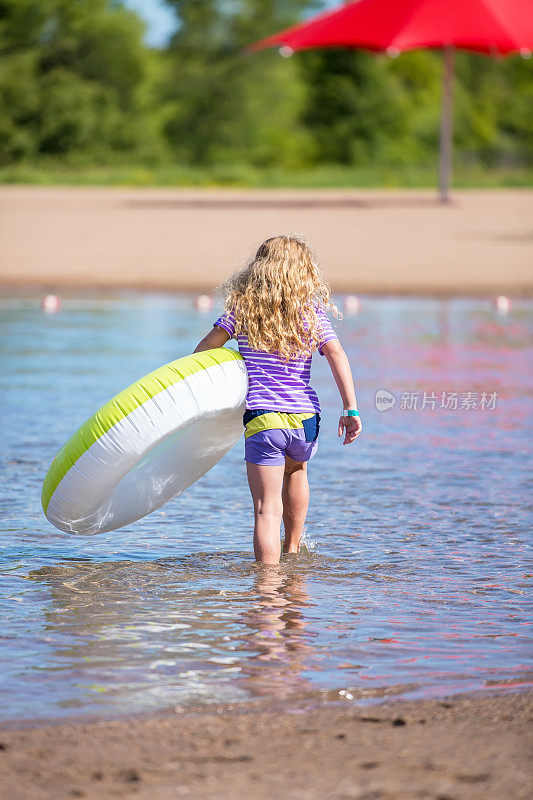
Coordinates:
[148,444]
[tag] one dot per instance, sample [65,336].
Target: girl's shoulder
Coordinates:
[227,321]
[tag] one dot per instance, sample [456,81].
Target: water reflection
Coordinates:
[118,625]
[278,635]
[126,625]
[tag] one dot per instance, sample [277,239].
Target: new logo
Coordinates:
[384,400]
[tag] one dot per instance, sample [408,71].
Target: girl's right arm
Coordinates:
[342,373]
[217,337]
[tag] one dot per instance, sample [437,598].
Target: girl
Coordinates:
[275,308]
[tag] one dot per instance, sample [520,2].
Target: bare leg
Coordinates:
[295,497]
[265,485]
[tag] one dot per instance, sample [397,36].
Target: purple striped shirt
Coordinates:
[274,384]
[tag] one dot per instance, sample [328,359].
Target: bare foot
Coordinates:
[287,549]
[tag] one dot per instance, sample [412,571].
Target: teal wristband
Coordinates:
[348,412]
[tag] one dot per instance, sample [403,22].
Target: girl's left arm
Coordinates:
[217,337]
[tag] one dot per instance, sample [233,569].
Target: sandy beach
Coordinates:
[454,749]
[367,241]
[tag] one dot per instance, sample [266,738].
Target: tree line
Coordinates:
[78,85]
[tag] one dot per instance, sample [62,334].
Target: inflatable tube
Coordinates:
[148,444]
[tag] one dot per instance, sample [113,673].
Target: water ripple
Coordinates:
[413,580]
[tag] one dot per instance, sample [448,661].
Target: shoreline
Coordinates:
[74,291]
[325,700]
[375,242]
[465,746]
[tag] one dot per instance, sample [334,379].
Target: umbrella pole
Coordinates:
[446,125]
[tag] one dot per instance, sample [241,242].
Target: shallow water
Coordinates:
[413,578]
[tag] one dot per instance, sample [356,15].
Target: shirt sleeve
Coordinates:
[326,332]
[227,322]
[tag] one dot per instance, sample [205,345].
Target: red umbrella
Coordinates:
[494,27]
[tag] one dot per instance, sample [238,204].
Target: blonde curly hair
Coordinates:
[275,298]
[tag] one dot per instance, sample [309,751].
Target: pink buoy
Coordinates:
[351,304]
[51,304]
[502,304]
[203,303]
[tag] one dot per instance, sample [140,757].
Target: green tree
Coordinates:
[366,108]
[493,102]
[78,85]
[230,105]
[354,109]
[70,80]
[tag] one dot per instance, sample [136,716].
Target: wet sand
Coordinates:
[456,749]
[367,241]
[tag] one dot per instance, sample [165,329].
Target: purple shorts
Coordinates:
[270,447]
